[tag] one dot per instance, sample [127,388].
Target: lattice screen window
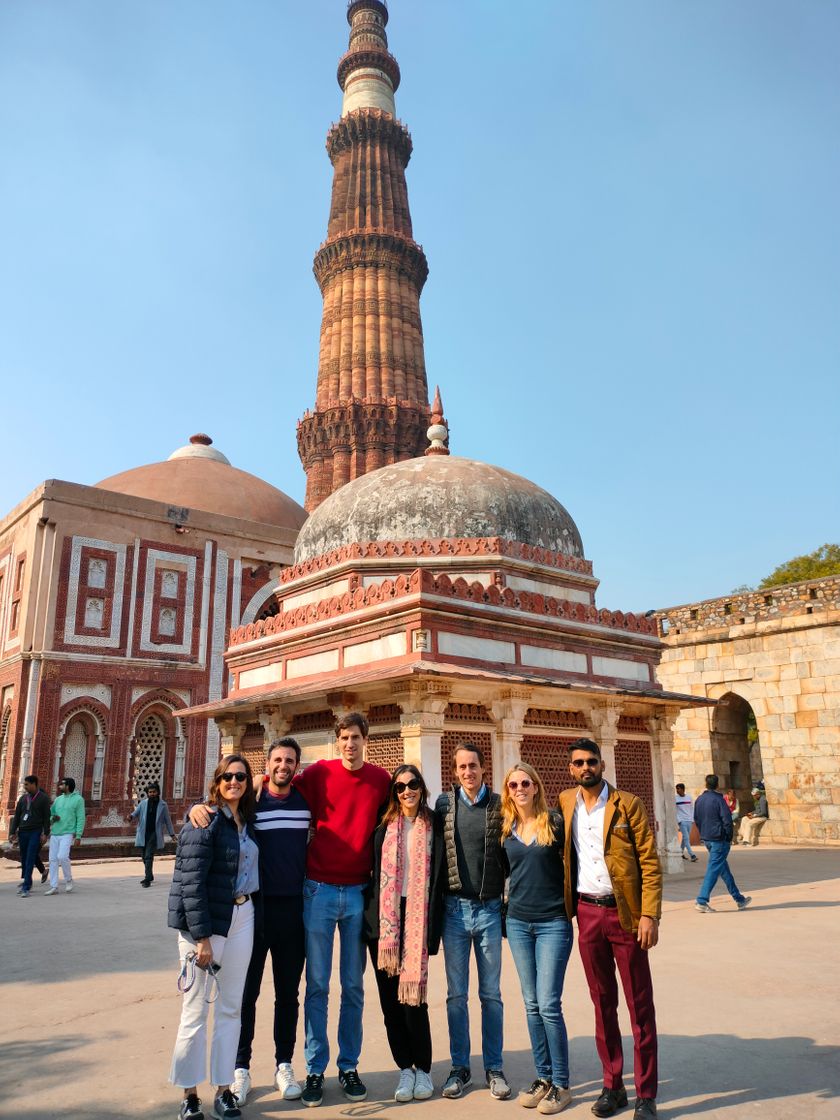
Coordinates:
[449,740]
[148,762]
[634,771]
[75,753]
[549,755]
[385,750]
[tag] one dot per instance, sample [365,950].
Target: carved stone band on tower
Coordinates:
[371,401]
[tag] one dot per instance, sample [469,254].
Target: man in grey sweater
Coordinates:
[471,816]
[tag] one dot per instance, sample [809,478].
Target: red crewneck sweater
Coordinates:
[345,807]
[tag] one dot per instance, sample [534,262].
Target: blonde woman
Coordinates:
[538,930]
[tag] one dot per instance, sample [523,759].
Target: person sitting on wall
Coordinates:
[753,822]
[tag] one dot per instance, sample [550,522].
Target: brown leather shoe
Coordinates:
[610,1101]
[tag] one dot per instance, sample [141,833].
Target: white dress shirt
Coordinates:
[588,834]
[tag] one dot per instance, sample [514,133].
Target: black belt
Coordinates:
[598,899]
[241,899]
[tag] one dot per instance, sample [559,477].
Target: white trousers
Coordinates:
[233,953]
[60,857]
[750,828]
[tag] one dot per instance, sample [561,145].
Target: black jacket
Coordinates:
[493,879]
[370,930]
[206,866]
[39,815]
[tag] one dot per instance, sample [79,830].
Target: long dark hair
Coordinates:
[393,809]
[248,800]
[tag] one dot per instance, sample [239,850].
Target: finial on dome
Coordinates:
[438,432]
[201,438]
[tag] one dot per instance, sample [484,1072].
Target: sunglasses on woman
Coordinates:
[401,787]
[234,776]
[526,783]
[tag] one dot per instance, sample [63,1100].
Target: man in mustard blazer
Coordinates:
[614,887]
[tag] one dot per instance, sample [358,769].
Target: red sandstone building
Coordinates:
[115,604]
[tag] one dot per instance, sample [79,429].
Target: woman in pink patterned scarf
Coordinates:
[403,918]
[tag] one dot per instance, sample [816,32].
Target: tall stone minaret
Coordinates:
[371,402]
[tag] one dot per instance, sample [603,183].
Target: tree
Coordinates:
[824,561]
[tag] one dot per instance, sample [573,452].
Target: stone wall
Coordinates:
[777,651]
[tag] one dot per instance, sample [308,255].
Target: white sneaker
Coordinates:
[68,887]
[287,1084]
[52,890]
[241,1084]
[423,1086]
[405,1086]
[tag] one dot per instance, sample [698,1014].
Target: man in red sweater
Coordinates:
[345,796]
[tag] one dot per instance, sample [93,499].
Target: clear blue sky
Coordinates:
[630,212]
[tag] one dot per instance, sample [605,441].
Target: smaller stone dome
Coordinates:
[435,497]
[200,477]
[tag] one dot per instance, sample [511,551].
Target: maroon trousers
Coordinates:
[604,944]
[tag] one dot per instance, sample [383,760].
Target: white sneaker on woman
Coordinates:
[423,1086]
[286,1082]
[405,1086]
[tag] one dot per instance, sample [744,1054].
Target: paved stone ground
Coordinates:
[747,1005]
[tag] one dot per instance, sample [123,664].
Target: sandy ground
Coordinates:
[747,1005]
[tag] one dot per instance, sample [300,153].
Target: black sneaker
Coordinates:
[351,1083]
[190,1108]
[458,1080]
[226,1106]
[313,1090]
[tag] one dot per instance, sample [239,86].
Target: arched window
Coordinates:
[149,757]
[75,753]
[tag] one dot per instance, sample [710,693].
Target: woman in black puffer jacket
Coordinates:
[210,904]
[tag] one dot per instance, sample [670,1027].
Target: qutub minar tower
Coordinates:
[371,402]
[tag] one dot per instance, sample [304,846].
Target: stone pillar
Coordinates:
[664,794]
[421,730]
[508,712]
[604,719]
[230,736]
[98,769]
[180,766]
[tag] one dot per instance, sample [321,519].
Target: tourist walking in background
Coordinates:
[685,819]
[210,904]
[30,826]
[67,823]
[753,822]
[614,884]
[714,823]
[154,824]
[403,918]
[538,931]
[472,919]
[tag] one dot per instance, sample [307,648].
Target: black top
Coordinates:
[535,890]
[151,816]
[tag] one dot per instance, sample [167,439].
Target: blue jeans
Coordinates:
[30,844]
[718,868]
[541,952]
[469,923]
[685,837]
[325,907]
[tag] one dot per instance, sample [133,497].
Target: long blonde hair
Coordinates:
[545,833]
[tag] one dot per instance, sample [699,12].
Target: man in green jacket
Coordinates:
[67,823]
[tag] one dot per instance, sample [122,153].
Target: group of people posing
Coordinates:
[278,867]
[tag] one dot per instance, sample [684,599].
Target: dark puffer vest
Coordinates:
[206,866]
[493,877]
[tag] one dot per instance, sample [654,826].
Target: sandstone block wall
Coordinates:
[779,651]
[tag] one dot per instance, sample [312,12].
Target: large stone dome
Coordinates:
[438,496]
[200,477]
